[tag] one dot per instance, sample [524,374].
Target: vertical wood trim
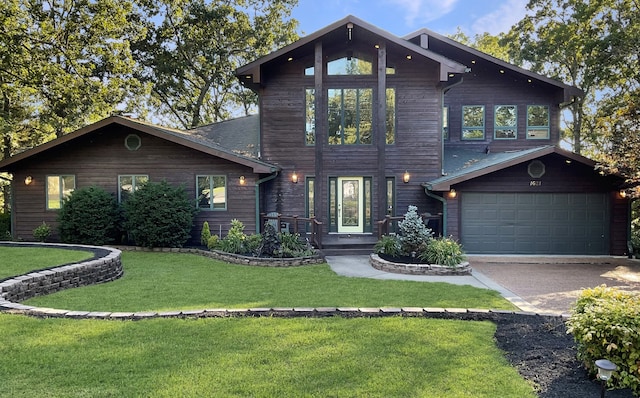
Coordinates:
[380,134]
[320,199]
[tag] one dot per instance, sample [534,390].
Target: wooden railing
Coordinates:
[311,228]
[390,224]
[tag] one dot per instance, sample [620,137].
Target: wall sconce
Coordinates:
[453,193]
[294,178]
[406,177]
[622,193]
[241,180]
[28,180]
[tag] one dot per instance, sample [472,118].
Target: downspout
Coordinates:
[268,178]
[430,194]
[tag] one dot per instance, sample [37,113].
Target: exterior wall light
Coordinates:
[242,181]
[28,180]
[605,370]
[294,178]
[453,193]
[622,193]
[406,177]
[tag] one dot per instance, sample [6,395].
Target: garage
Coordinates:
[535,223]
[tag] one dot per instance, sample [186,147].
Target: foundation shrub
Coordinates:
[442,251]
[90,216]
[5,226]
[413,231]
[205,234]
[270,240]
[42,232]
[234,241]
[605,323]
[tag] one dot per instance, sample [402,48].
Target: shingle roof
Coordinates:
[240,135]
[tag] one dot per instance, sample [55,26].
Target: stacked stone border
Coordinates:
[418,269]
[109,267]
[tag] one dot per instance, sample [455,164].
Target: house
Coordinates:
[356,124]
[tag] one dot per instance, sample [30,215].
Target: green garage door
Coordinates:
[541,223]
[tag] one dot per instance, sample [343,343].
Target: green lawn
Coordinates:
[20,260]
[257,357]
[170,281]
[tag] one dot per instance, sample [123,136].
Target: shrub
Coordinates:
[253,244]
[213,241]
[159,215]
[234,241]
[605,323]
[5,226]
[205,235]
[293,246]
[270,240]
[389,245]
[42,232]
[90,216]
[442,251]
[413,231]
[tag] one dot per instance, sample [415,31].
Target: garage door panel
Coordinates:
[527,223]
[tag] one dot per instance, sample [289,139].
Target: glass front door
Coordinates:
[350,205]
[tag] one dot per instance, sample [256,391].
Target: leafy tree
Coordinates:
[191,55]
[485,42]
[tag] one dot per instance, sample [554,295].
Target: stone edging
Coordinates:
[236,258]
[37,283]
[418,269]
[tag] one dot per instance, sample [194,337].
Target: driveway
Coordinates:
[552,284]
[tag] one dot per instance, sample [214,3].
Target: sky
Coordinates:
[401,17]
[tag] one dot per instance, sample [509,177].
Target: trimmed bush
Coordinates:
[42,232]
[413,232]
[605,323]
[205,235]
[89,216]
[159,215]
[213,241]
[234,241]
[270,240]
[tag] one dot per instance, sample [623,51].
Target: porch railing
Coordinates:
[389,224]
[308,227]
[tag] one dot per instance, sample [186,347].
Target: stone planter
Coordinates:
[419,269]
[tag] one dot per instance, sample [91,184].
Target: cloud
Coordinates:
[420,12]
[502,19]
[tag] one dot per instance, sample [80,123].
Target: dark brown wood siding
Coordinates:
[100,157]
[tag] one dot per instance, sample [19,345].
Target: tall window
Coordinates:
[391,195]
[350,116]
[473,122]
[58,189]
[390,120]
[538,122]
[506,122]
[310,116]
[128,184]
[445,122]
[310,199]
[212,192]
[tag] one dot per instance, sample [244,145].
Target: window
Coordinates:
[133,142]
[128,184]
[537,122]
[310,117]
[310,199]
[473,122]
[58,189]
[310,71]
[390,121]
[391,194]
[445,122]
[350,116]
[349,65]
[506,122]
[212,192]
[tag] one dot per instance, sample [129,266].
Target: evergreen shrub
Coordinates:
[90,216]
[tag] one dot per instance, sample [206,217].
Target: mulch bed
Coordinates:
[545,354]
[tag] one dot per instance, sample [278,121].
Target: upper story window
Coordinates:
[128,184]
[537,122]
[473,122]
[310,117]
[211,191]
[350,116]
[58,189]
[390,119]
[349,65]
[506,122]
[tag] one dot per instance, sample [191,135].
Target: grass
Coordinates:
[259,357]
[172,281]
[21,260]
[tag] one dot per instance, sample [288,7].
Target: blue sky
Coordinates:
[401,17]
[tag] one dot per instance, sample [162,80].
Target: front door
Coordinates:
[350,205]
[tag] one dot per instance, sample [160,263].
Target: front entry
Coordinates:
[350,205]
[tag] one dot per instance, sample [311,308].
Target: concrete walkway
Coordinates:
[359,267]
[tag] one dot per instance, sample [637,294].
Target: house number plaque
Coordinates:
[535,183]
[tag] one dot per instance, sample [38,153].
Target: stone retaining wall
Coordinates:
[106,268]
[418,269]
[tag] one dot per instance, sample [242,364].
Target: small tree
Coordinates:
[414,234]
[90,216]
[270,241]
[205,234]
[159,215]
